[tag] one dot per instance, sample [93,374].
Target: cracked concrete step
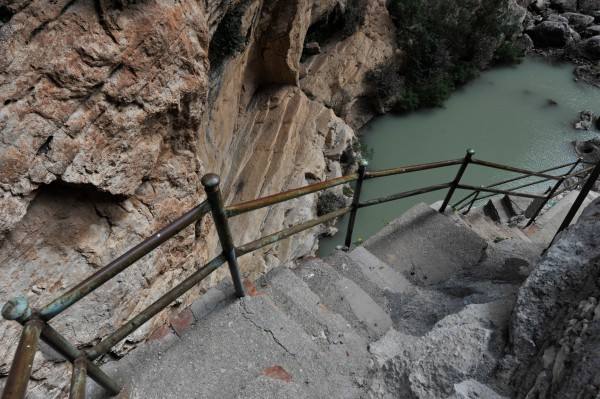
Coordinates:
[327,328]
[224,354]
[546,226]
[426,246]
[345,297]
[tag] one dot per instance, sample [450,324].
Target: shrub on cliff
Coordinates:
[445,43]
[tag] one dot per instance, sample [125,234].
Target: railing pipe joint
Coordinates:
[461,171]
[17,309]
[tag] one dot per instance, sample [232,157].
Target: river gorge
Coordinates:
[111,111]
[521,115]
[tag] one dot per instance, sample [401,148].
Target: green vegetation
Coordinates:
[329,202]
[445,44]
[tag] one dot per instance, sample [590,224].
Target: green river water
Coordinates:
[504,115]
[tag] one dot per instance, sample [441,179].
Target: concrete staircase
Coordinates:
[515,211]
[416,310]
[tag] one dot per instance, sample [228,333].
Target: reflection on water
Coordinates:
[519,116]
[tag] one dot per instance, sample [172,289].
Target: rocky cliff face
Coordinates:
[110,113]
[554,348]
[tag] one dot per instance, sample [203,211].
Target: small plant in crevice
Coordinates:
[228,38]
[329,202]
[363,150]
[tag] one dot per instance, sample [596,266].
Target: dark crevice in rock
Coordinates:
[85,190]
[103,22]
[338,24]
[5,14]
[43,25]
[45,147]
[228,38]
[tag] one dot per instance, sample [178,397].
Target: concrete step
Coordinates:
[328,329]
[546,226]
[491,231]
[224,354]
[425,246]
[517,205]
[499,210]
[345,297]
[380,273]
[413,310]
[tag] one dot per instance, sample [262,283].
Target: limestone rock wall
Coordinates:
[112,110]
[554,348]
[110,113]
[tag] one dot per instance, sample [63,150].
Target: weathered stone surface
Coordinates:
[564,5]
[578,21]
[554,350]
[551,34]
[461,346]
[590,48]
[110,113]
[336,76]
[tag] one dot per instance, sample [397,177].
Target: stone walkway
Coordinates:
[418,311]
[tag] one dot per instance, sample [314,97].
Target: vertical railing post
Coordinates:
[585,190]
[551,194]
[456,182]
[362,170]
[475,198]
[211,186]
[20,370]
[78,377]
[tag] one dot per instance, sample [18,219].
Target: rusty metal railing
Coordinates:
[36,325]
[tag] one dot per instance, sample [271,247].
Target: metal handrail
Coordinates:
[514,179]
[475,195]
[35,322]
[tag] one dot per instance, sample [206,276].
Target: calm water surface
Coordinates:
[504,115]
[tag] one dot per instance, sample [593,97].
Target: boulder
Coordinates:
[590,48]
[550,33]
[588,6]
[564,5]
[539,6]
[589,150]
[524,43]
[596,15]
[590,31]
[578,21]
[557,18]
[586,120]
